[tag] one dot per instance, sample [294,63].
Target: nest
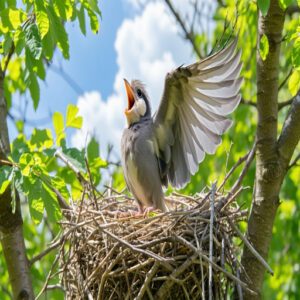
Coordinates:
[187,253]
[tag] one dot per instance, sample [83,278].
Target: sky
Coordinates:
[134,42]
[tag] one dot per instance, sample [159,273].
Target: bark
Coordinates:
[11,230]
[272,155]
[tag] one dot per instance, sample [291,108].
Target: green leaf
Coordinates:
[76,158]
[41,18]
[19,147]
[94,23]
[263,5]
[81,20]
[92,149]
[61,186]
[19,40]
[34,89]
[26,162]
[294,82]
[58,124]
[93,5]
[5,178]
[59,32]
[11,19]
[33,40]
[264,47]
[41,138]
[285,3]
[32,188]
[51,204]
[20,126]
[63,9]
[296,53]
[72,119]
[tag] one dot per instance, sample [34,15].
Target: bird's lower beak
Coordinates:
[130,95]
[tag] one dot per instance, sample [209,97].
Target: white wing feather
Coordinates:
[192,115]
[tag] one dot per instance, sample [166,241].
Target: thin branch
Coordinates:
[251,248]
[248,102]
[281,105]
[68,79]
[295,162]
[234,167]
[282,84]
[188,35]
[211,227]
[290,134]
[292,9]
[46,251]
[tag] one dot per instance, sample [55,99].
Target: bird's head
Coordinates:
[138,103]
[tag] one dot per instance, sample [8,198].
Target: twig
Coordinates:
[60,154]
[234,167]
[48,277]
[46,251]
[188,35]
[251,248]
[211,228]
[147,281]
[285,79]
[249,160]
[248,102]
[295,162]
[229,275]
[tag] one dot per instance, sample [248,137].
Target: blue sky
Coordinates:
[133,43]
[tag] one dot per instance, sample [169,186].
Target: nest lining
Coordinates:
[187,253]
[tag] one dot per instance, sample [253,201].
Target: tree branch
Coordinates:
[290,134]
[188,35]
[11,231]
[292,9]
[281,105]
[248,102]
[269,170]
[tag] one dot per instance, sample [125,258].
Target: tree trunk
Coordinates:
[272,155]
[11,231]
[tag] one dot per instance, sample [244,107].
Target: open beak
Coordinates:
[130,95]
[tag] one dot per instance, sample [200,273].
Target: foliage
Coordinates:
[30,32]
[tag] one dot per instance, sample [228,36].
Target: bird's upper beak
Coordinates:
[130,95]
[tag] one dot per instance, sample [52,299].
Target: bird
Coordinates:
[167,147]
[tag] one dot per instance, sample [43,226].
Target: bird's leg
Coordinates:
[148,210]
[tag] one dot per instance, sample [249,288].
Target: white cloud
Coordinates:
[148,46]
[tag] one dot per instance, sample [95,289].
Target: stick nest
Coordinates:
[187,253]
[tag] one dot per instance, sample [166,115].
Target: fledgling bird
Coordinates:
[192,116]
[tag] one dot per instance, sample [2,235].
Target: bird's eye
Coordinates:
[139,93]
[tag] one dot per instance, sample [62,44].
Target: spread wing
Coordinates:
[192,114]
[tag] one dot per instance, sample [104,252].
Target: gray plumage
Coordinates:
[190,120]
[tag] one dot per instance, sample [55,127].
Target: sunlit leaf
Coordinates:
[294,82]
[41,138]
[264,47]
[32,188]
[58,124]
[41,18]
[59,33]
[72,120]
